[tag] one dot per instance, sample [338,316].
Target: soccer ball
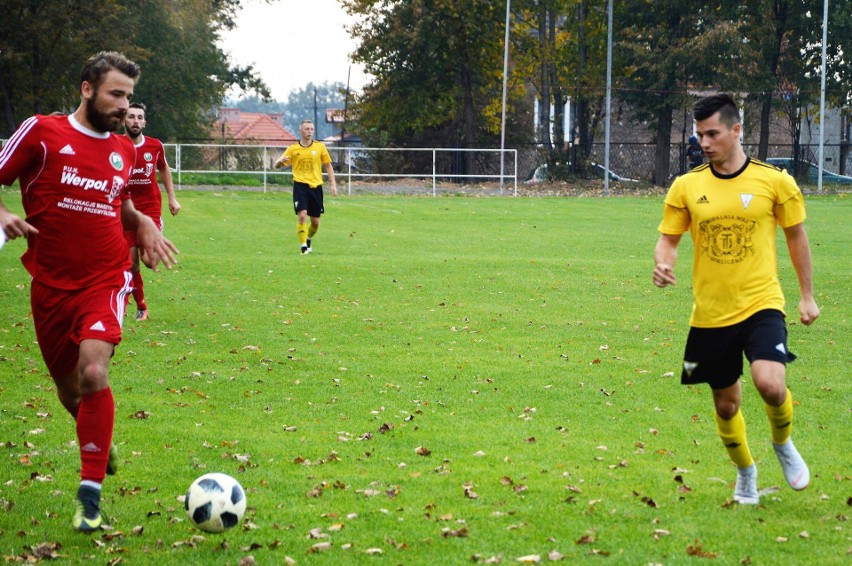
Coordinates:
[215,502]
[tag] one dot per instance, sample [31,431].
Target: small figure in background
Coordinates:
[694,153]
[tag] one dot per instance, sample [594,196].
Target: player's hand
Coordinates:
[14,226]
[663,275]
[808,311]
[334,189]
[154,249]
[174,206]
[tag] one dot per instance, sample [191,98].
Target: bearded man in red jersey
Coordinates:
[145,192]
[73,176]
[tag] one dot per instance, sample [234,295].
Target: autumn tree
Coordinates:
[437,68]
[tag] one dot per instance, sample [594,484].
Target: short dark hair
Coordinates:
[103,62]
[722,103]
[138,105]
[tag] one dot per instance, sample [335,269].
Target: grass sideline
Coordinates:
[445,380]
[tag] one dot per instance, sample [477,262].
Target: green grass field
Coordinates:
[444,381]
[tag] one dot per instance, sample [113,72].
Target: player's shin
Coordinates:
[95,422]
[781,419]
[733,435]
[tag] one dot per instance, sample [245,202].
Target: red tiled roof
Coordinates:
[252,126]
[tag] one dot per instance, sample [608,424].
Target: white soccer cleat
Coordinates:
[745,493]
[795,469]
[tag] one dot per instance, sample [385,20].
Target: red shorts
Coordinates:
[130,237]
[63,319]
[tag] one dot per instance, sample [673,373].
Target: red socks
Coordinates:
[95,422]
[139,291]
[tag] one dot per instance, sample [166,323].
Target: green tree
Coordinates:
[437,68]
[311,103]
[671,47]
[184,73]
[41,54]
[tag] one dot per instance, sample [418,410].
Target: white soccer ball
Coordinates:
[215,502]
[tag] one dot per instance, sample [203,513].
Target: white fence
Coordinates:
[438,165]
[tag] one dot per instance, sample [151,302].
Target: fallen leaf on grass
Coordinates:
[446,532]
[529,559]
[319,547]
[42,551]
[697,550]
[422,451]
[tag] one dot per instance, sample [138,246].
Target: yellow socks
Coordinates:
[302,233]
[733,435]
[781,419]
[312,230]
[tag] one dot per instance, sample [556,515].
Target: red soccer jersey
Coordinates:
[144,189]
[73,181]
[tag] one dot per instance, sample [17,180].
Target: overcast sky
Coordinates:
[276,38]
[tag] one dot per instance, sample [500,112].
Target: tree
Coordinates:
[41,55]
[672,47]
[560,48]
[184,73]
[438,71]
[311,103]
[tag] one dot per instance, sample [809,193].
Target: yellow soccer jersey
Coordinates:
[307,162]
[733,221]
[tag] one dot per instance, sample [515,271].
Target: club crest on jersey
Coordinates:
[116,161]
[117,187]
[148,156]
[746,198]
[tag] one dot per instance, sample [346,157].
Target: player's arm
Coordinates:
[665,257]
[800,255]
[15,157]
[13,225]
[329,170]
[165,175]
[284,160]
[153,247]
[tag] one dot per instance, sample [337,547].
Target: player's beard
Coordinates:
[133,131]
[103,121]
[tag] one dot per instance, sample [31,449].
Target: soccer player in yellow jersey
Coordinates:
[731,207]
[307,158]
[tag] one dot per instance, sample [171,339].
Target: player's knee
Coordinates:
[773,392]
[93,377]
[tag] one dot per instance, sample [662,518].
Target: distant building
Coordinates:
[236,126]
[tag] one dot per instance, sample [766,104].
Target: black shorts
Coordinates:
[715,355]
[306,198]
